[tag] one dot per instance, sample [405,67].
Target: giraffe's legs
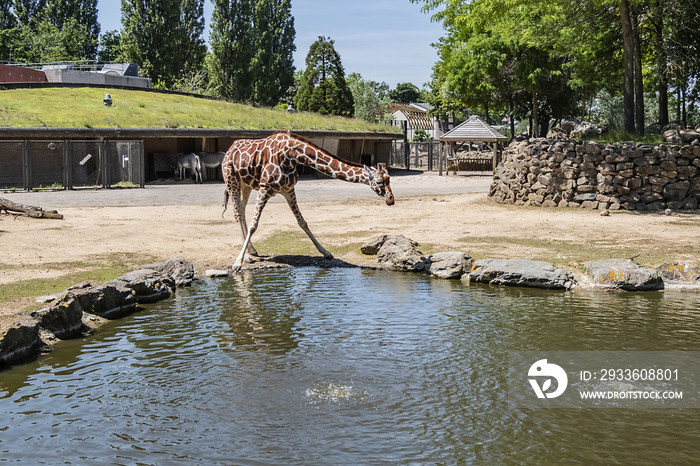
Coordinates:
[263,196]
[245,195]
[291,198]
[239,196]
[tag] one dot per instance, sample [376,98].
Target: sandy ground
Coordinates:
[441,213]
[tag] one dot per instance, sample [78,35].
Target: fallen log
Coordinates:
[31,211]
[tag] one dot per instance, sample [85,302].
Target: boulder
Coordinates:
[450,265]
[108,301]
[18,341]
[181,271]
[372,247]
[64,318]
[401,253]
[521,272]
[623,274]
[681,272]
[149,286]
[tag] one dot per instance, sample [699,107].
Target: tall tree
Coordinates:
[371,98]
[323,88]
[163,36]
[405,93]
[84,12]
[272,65]
[7,17]
[232,49]
[27,11]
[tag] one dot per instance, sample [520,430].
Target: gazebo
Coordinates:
[473,130]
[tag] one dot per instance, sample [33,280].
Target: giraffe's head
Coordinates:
[379,182]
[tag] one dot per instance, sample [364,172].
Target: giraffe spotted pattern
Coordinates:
[268,166]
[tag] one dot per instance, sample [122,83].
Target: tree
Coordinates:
[371,98]
[7,17]
[323,88]
[154,29]
[84,12]
[405,93]
[272,65]
[110,47]
[232,49]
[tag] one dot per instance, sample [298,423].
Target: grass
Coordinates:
[573,254]
[619,136]
[82,107]
[104,268]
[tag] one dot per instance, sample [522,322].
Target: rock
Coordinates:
[64,318]
[624,274]
[400,253]
[450,265]
[372,247]
[214,273]
[676,191]
[148,285]
[108,301]
[683,272]
[181,271]
[18,341]
[521,272]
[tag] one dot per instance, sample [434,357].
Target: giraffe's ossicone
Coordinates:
[269,166]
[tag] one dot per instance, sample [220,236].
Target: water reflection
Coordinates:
[343,367]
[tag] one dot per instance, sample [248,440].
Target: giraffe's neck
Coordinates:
[328,164]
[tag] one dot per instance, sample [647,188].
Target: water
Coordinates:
[343,366]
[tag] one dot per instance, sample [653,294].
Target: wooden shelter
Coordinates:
[473,130]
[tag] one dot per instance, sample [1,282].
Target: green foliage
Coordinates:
[405,93]
[273,62]
[421,135]
[370,97]
[110,47]
[163,36]
[45,42]
[252,42]
[82,107]
[192,82]
[232,46]
[323,88]
[547,58]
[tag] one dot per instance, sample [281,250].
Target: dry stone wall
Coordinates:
[569,173]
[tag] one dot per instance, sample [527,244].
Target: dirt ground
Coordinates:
[441,213]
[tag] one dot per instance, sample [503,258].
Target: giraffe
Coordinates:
[268,166]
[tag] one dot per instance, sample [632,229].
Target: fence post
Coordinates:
[430,155]
[27,165]
[104,164]
[67,165]
[142,165]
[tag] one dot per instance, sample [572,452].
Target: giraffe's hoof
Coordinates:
[235,268]
[328,256]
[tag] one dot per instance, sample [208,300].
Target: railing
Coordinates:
[426,156]
[36,164]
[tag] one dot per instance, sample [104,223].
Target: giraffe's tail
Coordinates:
[225,202]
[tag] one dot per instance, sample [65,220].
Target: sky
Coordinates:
[383,40]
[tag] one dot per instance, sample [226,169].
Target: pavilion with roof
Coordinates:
[473,130]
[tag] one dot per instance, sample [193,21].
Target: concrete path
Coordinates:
[404,183]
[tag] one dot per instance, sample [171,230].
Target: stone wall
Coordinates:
[568,173]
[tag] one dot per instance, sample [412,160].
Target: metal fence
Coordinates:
[426,156]
[68,164]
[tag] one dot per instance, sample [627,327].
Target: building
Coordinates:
[414,117]
[110,74]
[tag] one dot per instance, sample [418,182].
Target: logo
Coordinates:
[551,371]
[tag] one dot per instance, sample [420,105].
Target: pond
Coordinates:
[342,366]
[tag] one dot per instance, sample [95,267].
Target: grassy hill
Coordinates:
[82,107]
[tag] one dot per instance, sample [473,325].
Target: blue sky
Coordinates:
[383,40]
